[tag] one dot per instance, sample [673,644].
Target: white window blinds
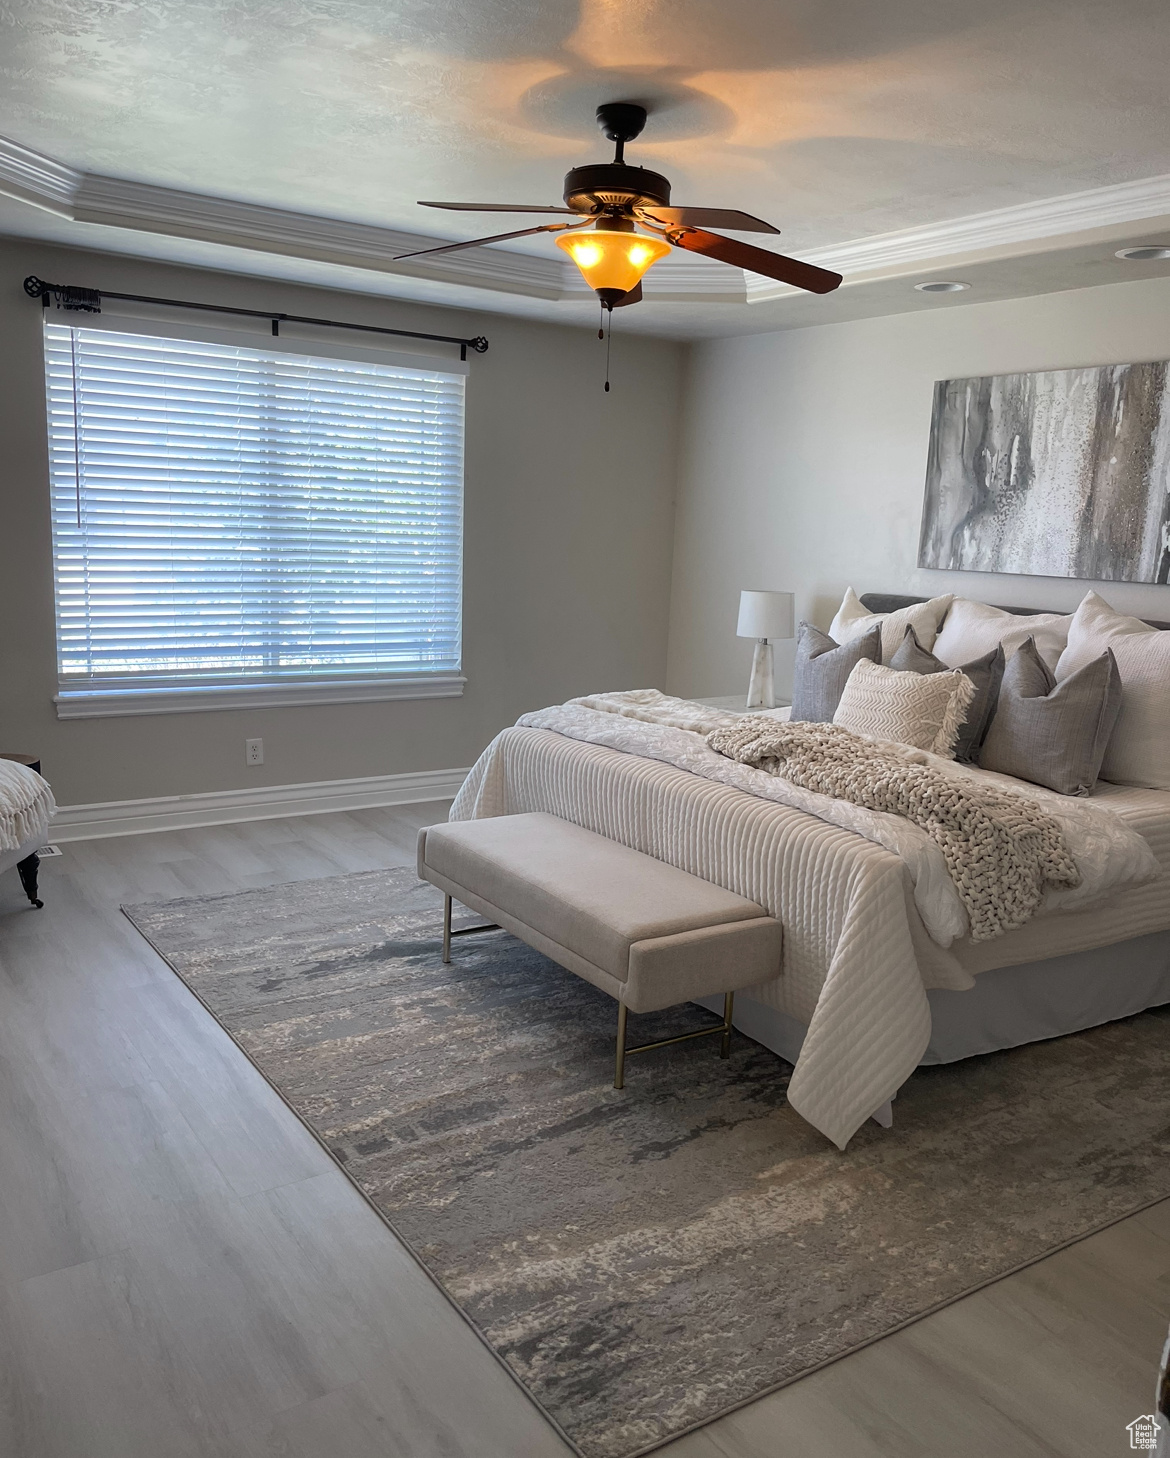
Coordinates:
[232,515]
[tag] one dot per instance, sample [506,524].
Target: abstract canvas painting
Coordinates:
[1061,473]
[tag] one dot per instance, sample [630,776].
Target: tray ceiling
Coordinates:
[306,132]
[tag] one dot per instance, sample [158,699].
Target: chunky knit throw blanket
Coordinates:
[1002,850]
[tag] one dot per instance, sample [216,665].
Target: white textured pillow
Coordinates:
[1139,750]
[973,629]
[854,618]
[924,710]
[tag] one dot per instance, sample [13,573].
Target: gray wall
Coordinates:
[804,458]
[569,507]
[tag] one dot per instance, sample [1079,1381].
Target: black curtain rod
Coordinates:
[89,301]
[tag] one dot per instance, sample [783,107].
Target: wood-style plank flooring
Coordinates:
[184,1272]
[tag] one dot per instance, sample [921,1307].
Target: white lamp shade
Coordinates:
[765,615]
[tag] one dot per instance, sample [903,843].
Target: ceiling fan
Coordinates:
[613,201]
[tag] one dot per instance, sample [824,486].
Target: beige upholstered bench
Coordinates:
[647,933]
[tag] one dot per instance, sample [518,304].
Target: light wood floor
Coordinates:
[183,1271]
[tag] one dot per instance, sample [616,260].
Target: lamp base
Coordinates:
[761,687]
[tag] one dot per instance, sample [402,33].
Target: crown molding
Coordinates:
[36,179]
[84,197]
[980,235]
[113,202]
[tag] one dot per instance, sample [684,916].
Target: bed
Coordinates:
[865,993]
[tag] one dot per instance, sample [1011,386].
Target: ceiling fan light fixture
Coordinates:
[611,199]
[612,260]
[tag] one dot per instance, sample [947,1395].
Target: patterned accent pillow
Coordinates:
[925,711]
[985,673]
[1050,733]
[823,668]
[853,617]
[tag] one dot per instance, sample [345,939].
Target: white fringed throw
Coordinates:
[26,804]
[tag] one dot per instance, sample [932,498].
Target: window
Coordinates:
[235,524]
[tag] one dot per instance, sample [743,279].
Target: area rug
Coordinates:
[644,1260]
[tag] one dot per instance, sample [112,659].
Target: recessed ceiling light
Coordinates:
[941,286]
[1143,255]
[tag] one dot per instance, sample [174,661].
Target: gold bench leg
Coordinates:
[723,1029]
[619,1072]
[462,931]
[725,1044]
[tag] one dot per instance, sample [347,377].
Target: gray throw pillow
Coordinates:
[822,670]
[985,673]
[1054,734]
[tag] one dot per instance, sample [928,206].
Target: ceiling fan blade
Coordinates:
[633,297]
[708,218]
[478,242]
[756,260]
[496,208]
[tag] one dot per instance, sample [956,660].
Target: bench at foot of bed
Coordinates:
[647,933]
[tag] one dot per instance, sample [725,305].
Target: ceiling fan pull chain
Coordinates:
[608,342]
[601,323]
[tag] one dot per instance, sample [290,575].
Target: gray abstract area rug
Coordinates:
[644,1260]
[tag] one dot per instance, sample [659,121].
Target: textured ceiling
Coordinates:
[835,119]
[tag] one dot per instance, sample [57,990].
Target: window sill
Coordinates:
[118,703]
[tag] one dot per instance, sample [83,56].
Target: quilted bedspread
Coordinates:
[858,957]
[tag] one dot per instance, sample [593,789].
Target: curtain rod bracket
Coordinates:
[89,301]
[67,296]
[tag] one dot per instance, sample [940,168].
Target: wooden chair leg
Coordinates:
[27,870]
[725,1042]
[446,928]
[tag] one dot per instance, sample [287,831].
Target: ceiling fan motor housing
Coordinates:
[614,187]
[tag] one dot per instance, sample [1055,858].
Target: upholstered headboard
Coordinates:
[888,602]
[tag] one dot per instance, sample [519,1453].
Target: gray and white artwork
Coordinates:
[1062,473]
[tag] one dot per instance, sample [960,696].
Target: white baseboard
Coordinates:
[268,802]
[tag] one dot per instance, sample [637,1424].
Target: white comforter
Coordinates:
[856,961]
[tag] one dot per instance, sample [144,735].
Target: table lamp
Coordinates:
[764,616]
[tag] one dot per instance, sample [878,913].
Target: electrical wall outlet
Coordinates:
[253,751]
